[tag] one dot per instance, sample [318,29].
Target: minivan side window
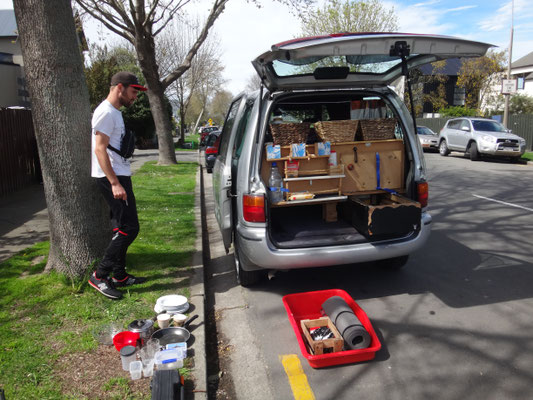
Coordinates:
[226,130]
[241,130]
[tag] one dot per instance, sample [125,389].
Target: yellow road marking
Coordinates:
[297,378]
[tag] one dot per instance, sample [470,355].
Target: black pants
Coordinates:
[125,225]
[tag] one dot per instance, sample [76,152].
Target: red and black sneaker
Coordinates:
[105,286]
[128,280]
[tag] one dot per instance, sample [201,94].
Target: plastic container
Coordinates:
[275,183]
[136,368]
[127,355]
[169,359]
[148,368]
[126,338]
[332,158]
[308,305]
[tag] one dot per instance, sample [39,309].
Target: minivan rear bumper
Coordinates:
[259,250]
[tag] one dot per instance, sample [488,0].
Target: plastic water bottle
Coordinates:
[275,183]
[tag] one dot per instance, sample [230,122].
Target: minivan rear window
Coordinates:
[368,64]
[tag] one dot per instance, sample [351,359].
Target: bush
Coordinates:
[457,111]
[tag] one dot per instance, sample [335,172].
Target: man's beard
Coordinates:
[123,100]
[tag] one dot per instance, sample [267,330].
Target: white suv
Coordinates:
[480,136]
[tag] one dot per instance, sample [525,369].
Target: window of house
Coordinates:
[459,94]
[520,83]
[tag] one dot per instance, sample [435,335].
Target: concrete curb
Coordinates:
[198,299]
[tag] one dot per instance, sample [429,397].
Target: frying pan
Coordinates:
[174,334]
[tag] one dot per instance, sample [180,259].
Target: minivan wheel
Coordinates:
[393,263]
[245,278]
[474,154]
[443,148]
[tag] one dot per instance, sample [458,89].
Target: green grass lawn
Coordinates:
[47,322]
[528,156]
[191,141]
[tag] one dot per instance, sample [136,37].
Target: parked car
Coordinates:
[428,139]
[310,83]
[479,137]
[204,131]
[211,150]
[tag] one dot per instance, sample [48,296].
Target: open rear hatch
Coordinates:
[354,59]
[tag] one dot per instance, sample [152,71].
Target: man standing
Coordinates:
[113,175]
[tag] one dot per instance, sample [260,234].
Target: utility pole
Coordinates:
[506,109]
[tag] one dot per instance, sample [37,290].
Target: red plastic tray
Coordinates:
[308,305]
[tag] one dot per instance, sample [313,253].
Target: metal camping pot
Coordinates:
[174,334]
[143,326]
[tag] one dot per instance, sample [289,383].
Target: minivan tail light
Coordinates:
[422,193]
[253,207]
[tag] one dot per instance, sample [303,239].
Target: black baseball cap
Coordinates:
[127,79]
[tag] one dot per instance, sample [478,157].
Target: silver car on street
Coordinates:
[479,137]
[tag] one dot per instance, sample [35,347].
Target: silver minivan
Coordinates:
[325,84]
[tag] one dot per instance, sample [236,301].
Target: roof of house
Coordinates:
[8,23]
[526,61]
[452,67]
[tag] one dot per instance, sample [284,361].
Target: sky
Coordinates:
[246,31]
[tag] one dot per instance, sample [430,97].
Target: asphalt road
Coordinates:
[455,323]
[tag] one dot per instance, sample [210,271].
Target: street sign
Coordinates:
[509,86]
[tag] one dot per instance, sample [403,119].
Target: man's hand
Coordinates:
[119,192]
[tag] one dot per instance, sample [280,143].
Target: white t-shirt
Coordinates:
[108,120]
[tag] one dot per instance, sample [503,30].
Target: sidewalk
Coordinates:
[24,222]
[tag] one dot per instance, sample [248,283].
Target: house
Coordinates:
[455,96]
[12,80]
[522,71]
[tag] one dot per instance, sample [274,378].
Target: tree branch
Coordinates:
[119,8]
[218,8]
[171,13]
[108,20]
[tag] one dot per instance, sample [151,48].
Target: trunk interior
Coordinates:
[343,166]
[304,226]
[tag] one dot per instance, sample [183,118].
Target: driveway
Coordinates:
[454,323]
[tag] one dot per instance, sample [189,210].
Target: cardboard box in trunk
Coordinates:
[382,215]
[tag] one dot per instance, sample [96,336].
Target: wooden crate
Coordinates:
[317,347]
[329,212]
[360,165]
[382,214]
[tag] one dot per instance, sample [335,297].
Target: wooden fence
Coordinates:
[521,125]
[19,159]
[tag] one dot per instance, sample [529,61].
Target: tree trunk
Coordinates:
[146,56]
[61,116]
[181,140]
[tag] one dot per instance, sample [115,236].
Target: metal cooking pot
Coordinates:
[174,334]
[143,326]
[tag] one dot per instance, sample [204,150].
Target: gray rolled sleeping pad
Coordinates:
[351,329]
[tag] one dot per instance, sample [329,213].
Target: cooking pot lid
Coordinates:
[140,325]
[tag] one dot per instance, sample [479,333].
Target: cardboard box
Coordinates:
[298,150]
[273,151]
[323,148]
